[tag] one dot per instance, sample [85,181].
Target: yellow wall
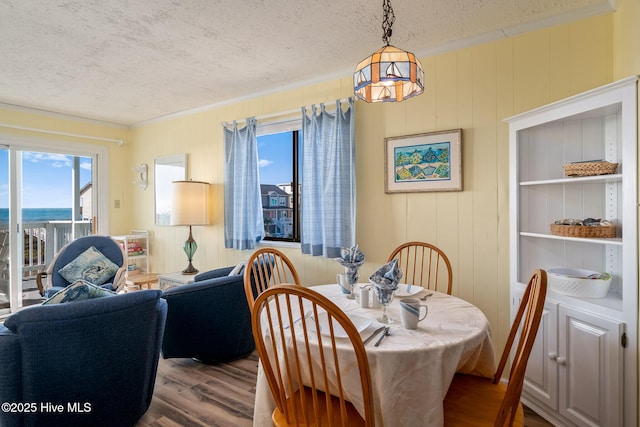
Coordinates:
[473,89]
[626,39]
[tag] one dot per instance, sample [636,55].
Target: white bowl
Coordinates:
[575,282]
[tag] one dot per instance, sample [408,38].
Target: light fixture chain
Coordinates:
[387,21]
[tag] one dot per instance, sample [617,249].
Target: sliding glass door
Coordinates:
[5,248]
[47,199]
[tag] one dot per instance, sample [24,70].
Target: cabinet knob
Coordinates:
[562,361]
[553,356]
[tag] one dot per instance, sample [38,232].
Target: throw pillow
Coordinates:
[91,265]
[238,269]
[78,291]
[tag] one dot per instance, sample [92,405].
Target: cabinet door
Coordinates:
[590,368]
[541,377]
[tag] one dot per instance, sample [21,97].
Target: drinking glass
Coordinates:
[347,285]
[385,296]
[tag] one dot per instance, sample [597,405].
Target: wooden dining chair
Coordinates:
[476,401]
[296,347]
[267,267]
[423,264]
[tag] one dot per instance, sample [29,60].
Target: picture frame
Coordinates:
[424,162]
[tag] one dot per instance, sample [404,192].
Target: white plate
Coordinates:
[361,323]
[406,290]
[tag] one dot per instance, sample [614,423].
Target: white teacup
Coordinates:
[410,312]
[344,285]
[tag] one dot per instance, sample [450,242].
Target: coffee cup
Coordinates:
[410,312]
[344,285]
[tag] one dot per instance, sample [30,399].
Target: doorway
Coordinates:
[49,196]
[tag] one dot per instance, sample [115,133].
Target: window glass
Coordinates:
[277,160]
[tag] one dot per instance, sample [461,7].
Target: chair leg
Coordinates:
[39,283]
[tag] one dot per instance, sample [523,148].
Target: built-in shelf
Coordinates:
[599,241]
[581,341]
[611,305]
[577,180]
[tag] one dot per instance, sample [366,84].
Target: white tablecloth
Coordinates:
[411,370]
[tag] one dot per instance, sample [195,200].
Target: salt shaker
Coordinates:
[364,297]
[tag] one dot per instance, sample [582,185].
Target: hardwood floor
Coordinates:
[531,419]
[189,393]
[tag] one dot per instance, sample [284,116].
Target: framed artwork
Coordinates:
[424,162]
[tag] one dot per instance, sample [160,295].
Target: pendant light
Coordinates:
[389,74]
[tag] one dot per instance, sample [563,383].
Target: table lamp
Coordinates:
[190,206]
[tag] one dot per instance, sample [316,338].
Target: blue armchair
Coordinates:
[105,244]
[209,319]
[93,361]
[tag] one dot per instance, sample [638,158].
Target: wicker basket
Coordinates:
[590,168]
[583,230]
[574,282]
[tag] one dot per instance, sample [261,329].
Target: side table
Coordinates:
[171,280]
[139,280]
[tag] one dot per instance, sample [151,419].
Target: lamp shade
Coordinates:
[190,203]
[388,75]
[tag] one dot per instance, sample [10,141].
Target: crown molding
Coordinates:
[57,115]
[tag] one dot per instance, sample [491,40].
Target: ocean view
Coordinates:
[38,214]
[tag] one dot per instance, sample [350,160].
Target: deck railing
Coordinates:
[42,240]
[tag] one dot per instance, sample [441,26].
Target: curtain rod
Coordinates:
[75,135]
[282,113]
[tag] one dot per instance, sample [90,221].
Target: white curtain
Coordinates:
[328,180]
[243,221]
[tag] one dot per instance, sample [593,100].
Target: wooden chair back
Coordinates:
[527,320]
[294,350]
[423,264]
[267,267]
[478,401]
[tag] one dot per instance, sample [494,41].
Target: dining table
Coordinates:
[411,370]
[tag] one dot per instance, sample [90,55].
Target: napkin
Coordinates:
[351,257]
[387,276]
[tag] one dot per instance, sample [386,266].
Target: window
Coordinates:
[279,183]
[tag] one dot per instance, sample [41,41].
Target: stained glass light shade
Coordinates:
[388,75]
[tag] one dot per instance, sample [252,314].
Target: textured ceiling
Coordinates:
[126,62]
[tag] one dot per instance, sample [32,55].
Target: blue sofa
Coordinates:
[209,319]
[83,363]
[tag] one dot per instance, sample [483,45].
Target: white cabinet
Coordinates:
[575,371]
[583,369]
[590,368]
[136,248]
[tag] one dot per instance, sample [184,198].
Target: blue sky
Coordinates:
[275,158]
[46,179]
